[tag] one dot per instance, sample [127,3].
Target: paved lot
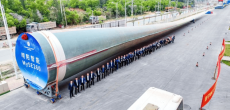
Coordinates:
[171,68]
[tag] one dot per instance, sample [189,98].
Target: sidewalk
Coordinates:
[14,83]
[227,58]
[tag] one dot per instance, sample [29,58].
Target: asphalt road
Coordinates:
[170,68]
[5,55]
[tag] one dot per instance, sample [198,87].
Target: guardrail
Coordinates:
[118,23]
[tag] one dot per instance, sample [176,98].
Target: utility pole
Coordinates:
[125,15]
[8,38]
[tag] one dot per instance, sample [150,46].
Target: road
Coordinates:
[171,68]
[5,55]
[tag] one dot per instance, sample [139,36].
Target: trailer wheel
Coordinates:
[4,37]
[38,93]
[59,97]
[52,100]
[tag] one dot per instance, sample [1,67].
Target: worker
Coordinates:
[158,45]
[98,72]
[135,55]
[88,79]
[71,85]
[103,71]
[131,57]
[76,83]
[107,69]
[143,51]
[115,64]
[119,61]
[92,75]
[154,46]
[124,60]
[161,42]
[173,38]
[111,65]
[139,53]
[164,41]
[127,59]
[150,48]
[82,80]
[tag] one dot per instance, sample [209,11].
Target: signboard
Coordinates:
[31,61]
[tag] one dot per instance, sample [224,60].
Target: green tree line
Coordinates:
[50,10]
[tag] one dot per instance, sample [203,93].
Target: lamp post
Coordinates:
[8,38]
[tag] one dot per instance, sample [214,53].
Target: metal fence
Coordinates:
[118,23]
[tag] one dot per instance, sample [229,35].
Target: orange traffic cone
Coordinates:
[207,48]
[203,53]
[210,43]
[197,64]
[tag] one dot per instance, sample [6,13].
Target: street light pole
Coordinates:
[8,38]
[125,15]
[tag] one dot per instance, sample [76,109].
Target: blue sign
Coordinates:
[31,62]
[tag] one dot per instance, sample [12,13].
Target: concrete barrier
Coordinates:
[4,87]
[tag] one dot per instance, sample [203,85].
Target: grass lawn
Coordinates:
[226,62]
[227,50]
[227,41]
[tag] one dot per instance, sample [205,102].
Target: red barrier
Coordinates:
[208,95]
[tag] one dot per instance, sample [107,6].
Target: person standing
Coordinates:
[124,60]
[88,79]
[111,66]
[98,72]
[71,85]
[135,55]
[173,38]
[107,69]
[92,75]
[82,80]
[103,71]
[115,64]
[76,83]
[119,61]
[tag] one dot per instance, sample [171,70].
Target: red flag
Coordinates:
[208,95]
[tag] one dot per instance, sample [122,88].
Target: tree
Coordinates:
[74,3]
[83,4]
[72,17]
